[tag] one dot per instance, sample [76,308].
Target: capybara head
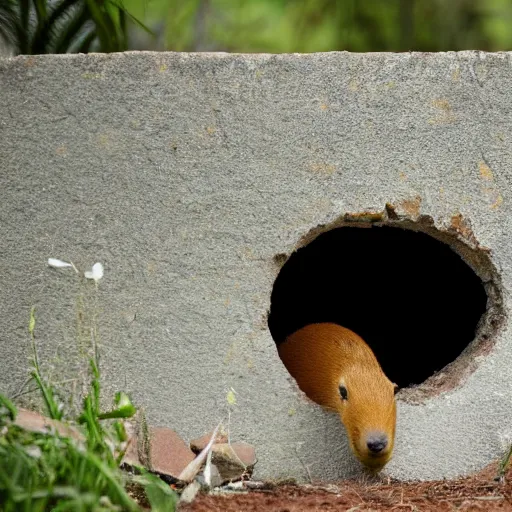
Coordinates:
[368,411]
[338,370]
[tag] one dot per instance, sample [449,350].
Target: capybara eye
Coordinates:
[343,393]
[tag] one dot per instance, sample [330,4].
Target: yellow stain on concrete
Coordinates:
[210,130]
[445,113]
[61,151]
[91,76]
[442,104]
[402,176]
[497,202]
[456,75]
[247,253]
[103,140]
[323,107]
[353,85]
[322,168]
[162,68]
[485,171]
[490,190]
[230,353]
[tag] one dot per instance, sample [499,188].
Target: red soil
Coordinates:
[479,492]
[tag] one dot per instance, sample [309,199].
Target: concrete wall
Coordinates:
[185,174]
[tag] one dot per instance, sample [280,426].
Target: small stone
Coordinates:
[35,422]
[190,492]
[169,453]
[235,486]
[199,444]
[215,478]
[233,460]
[131,456]
[243,451]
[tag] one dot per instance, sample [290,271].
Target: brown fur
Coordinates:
[321,357]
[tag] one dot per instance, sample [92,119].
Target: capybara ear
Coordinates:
[396,388]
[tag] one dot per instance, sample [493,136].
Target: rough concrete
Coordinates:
[185,174]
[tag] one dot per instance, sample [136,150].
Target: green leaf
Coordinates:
[125,408]
[40,7]
[86,42]
[231,398]
[32,321]
[68,33]
[135,20]
[48,395]
[161,497]
[9,406]
[96,14]
[45,32]
[10,28]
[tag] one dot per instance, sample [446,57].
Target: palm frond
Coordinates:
[86,43]
[46,31]
[60,26]
[102,30]
[69,32]
[8,22]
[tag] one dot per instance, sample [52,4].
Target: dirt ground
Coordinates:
[479,492]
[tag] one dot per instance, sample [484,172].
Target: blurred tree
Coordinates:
[324,25]
[51,26]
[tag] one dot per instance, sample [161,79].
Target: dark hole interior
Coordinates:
[408,295]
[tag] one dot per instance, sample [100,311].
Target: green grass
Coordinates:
[51,472]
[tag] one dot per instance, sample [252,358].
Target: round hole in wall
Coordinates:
[408,294]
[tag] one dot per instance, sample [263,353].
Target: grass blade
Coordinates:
[132,18]
[6,404]
[102,30]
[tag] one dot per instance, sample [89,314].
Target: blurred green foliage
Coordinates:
[62,26]
[278,26]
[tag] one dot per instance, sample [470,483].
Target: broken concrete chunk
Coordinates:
[131,456]
[189,493]
[169,453]
[215,478]
[233,460]
[198,444]
[243,452]
[35,422]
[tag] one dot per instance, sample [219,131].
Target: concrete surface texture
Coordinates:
[185,175]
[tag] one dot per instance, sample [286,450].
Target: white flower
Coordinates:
[96,273]
[54,262]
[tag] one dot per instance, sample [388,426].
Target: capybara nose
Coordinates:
[377,443]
